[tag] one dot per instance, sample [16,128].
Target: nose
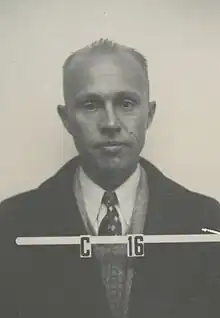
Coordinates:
[109,123]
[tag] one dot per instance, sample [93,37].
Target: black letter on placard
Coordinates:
[135,247]
[85,246]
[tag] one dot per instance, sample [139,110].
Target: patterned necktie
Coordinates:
[110,224]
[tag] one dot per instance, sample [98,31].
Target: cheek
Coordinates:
[82,128]
[139,125]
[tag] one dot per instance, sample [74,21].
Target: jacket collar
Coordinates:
[61,185]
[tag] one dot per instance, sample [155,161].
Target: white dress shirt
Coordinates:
[93,193]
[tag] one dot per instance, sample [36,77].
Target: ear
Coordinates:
[63,113]
[151,111]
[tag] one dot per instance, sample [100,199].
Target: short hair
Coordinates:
[107,46]
[104,46]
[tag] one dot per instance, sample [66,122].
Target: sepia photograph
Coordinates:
[109,166]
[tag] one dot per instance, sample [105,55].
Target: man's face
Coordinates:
[107,110]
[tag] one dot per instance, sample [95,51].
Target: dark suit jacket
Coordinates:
[172,280]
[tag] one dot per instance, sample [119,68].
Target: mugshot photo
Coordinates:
[109,129]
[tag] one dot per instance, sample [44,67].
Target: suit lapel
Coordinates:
[151,281]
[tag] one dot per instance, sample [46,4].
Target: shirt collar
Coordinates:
[93,193]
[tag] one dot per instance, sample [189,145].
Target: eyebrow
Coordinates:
[96,96]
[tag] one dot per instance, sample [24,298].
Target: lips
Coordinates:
[112,146]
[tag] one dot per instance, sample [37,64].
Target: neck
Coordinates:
[109,180]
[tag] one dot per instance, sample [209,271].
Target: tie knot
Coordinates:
[110,198]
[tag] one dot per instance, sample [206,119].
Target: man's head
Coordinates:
[107,108]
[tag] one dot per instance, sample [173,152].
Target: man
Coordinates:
[108,190]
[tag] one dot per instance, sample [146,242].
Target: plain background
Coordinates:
[180,38]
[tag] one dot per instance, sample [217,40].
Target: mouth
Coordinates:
[112,146]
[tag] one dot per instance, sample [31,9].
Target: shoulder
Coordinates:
[13,205]
[181,201]
[25,205]
[158,179]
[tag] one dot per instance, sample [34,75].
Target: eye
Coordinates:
[128,104]
[90,106]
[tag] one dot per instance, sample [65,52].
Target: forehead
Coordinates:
[105,75]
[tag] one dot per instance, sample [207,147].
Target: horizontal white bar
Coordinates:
[74,240]
[192,238]
[115,239]
[50,240]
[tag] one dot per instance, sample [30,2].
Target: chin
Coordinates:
[116,165]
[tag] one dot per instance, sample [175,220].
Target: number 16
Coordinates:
[135,246]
